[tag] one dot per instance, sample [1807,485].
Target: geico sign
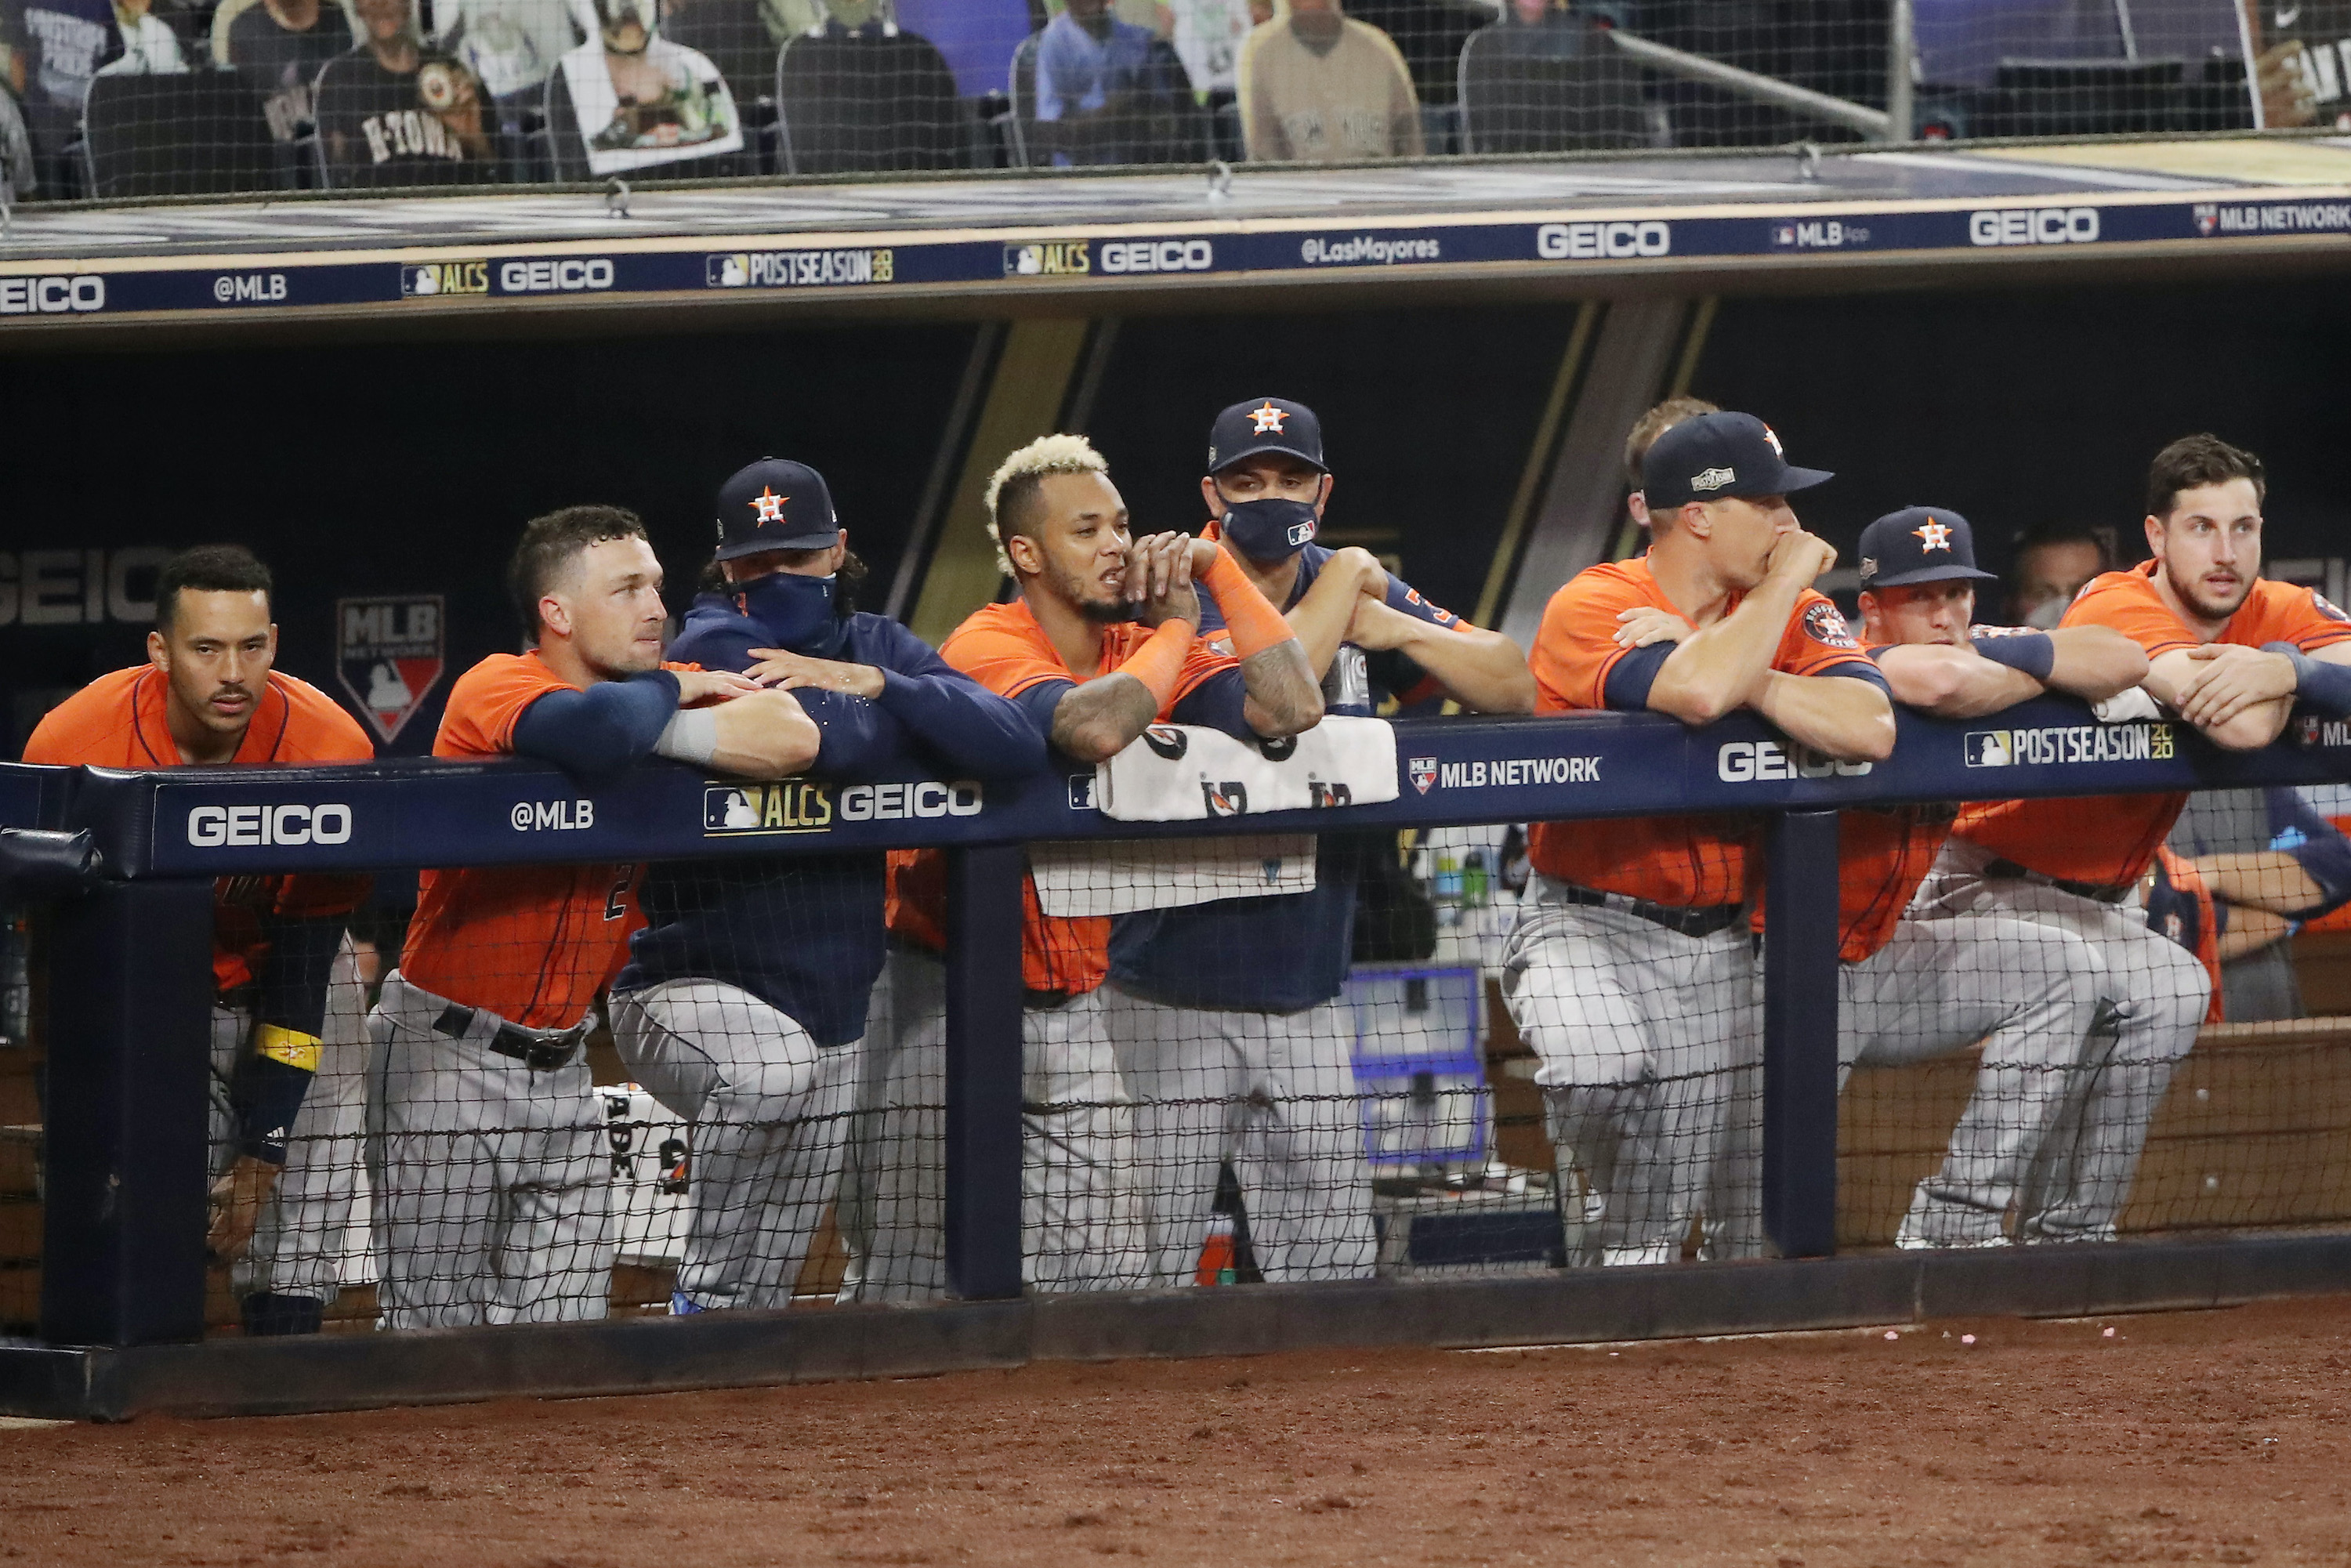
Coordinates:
[554,277]
[1598,241]
[1748,761]
[1158,256]
[2034,225]
[213,827]
[896,803]
[51,296]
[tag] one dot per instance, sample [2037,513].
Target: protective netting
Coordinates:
[1433,1058]
[118,99]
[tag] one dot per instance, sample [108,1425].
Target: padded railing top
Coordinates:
[213,821]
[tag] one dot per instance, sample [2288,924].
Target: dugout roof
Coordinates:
[994,245]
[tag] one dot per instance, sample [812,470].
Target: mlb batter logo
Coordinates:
[1422,771]
[1990,748]
[2208,217]
[390,653]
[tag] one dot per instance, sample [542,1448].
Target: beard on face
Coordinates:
[1074,590]
[2192,593]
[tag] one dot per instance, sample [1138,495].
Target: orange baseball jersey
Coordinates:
[2109,840]
[532,944]
[1003,649]
[1692,861]
[119,721]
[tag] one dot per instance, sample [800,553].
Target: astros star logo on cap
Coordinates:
[1934,535]
[768,504]
[1268,418]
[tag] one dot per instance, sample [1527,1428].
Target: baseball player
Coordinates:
[485,1139]
[2203,615]
[1912,989]
[745,998]
[1630,971]
[210,694]
[1226,1016]
[2243,871]
[1103,640]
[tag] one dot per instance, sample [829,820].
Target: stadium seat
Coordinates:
[1173,128]
[733,35]
[975,37]
[2085,98]
[866,102]
[195,135]
[1551,89]
[567,153]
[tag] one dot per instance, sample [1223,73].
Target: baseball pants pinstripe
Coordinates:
[1273,1092]
[770,1111]
[1081,1228]
[1650,1046]
[2154,994]
[2030,993]
[491,1182]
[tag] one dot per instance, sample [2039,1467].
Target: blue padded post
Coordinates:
[130,1035]
[983,1100]
[1800,1037]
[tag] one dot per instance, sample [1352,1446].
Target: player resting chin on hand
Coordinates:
[1630,971]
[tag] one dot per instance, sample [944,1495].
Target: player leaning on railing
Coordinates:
[2230,654]
[1630,972]
[485,1144]
[1103,642]
[1227,1016]
[745,998]
[208,695]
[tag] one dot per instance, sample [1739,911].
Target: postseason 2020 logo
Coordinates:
[390,652]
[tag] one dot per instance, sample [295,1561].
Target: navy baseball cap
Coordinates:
[1265,424]
[1710,456]
[774,504]
[1919,544]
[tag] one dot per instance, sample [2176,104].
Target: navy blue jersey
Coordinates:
[1286,954]
[803,932]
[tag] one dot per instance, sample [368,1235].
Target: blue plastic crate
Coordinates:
[1420,1066]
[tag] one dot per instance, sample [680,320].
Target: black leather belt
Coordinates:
[1046,1001]
[1704,920]
[2006,871]
[540,1050]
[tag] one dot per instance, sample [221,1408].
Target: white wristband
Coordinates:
[691,736]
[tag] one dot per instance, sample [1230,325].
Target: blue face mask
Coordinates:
[796,611]
[1269,529]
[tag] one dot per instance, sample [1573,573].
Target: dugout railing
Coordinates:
[122,867]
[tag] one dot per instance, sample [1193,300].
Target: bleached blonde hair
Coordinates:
[1023,469]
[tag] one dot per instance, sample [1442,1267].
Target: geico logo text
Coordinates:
[1748,761]
[212,827]
[554,277]
[2034,225]
[51,296]
[895,803]
[1158,256]
[1595,241]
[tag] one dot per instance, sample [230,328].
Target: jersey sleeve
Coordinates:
[1576,646]
[486,703]
[1406,600]
[1004,662]
[1203,663]
[2126,602]
[1819,642]
[2307,619]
